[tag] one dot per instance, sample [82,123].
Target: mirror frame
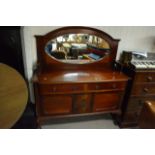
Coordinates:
[47,62]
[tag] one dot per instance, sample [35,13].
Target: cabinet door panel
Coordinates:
[82,103]
[57,104]
[106,101]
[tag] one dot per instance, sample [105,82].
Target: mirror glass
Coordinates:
[77,48]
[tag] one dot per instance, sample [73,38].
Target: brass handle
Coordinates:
[149,78]
[146,90]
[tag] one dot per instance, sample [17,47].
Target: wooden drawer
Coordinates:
[132,117]
[60,88]
[66,88]
[106,101]
[108,85]
[82,103]
[145,77]
[136,103]
[143,89]
[57,104]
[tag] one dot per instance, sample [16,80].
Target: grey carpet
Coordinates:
[105,122]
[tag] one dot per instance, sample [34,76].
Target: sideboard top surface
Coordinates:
[88,76]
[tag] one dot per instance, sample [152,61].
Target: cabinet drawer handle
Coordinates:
[146,90]
[149,78]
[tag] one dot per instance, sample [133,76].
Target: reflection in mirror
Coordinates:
[77,48]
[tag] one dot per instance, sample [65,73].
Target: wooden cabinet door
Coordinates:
[106,101]
[56,104]
[82,103]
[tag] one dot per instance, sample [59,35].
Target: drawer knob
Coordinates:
[149,78]
[146,90]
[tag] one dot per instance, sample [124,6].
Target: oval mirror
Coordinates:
[77,48]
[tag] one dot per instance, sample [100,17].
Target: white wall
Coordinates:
[132,38]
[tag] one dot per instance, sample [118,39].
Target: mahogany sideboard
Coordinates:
[77,89]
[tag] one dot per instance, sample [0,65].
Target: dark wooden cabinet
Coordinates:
[69,90]
[140,89]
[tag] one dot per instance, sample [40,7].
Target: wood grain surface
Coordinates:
[13,96]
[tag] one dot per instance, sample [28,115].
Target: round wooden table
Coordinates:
[13,96]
